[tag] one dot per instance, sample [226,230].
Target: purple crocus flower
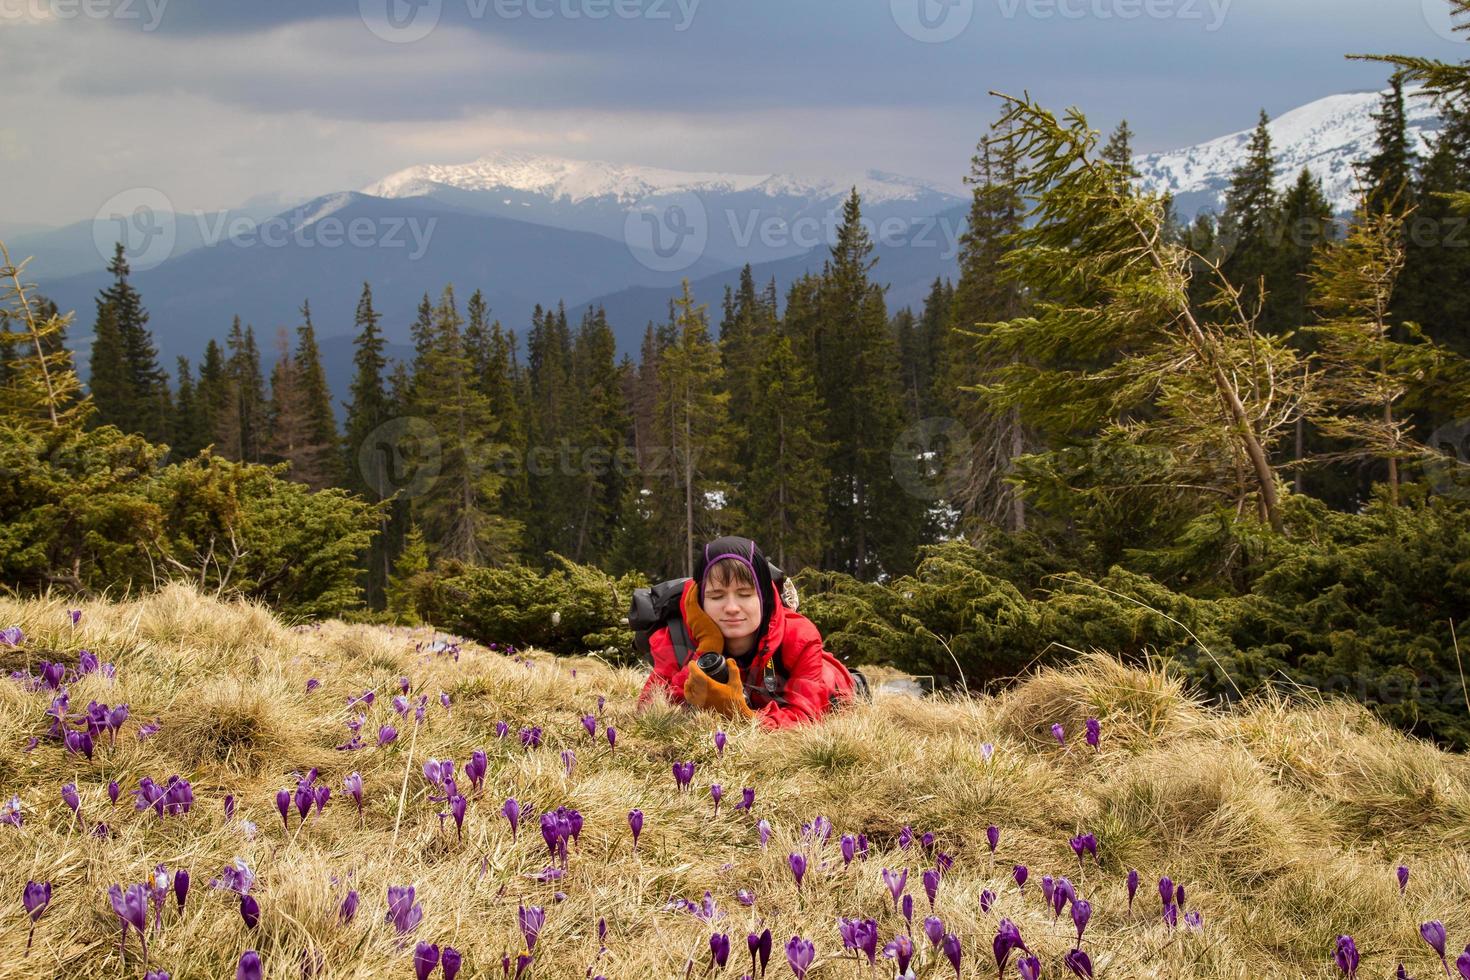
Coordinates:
[457,806]
[181,887]
[386,734]
[860,935]
[1084,844]
[949,944]
[250,911]
[79,743]
[402,911]
[798,867]
[1192,920]
[568,760]
[1020,874]
[75,615]
[1403,875]
[531,920]
[716,792]
[900,949]
[35,897]
[933,929]
[1079,963]
[848,846]
[114,791]
[1171,915]
[1166,890]
[348,909]
[720,742]
[1094,735]
[1081,915]
[1058,733]
[352,785]
[236,877]
[635,824]
[475,769]
[747,799]
[760,950]
[312,684]
[1132,887]
[451,960]
[12,636]
[1029,967]
[70,797]
[763,827]
[905,837]
[1345,953]
[896,881]
[131,907]
[987,899]
[283,805]
[425,959]
[612,738]
[931,885]
[1433,933]
[1007,941]
[992,837]
[1462,964]
[799,955]
[511,810]
[249,966]
[745,897]
[531,737]
[719,949]
[683,774]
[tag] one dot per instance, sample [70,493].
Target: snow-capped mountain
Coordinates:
[1329,136]
[747,217]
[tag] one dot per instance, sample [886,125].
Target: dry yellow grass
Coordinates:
[1284,821]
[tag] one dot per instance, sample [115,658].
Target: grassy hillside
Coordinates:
[1284,822]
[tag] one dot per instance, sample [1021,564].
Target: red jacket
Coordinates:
[779,701]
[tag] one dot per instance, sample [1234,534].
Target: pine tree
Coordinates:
[189,435]
[212,395]
[1367,371]
[134,389]
[598,435]
[1249,230]
[1388,176]
[1195,389]
[240,425]
[458,508]
[1434,289]
[691,419]
[1118,153]
[985,293]
[323,466]
[408,572]
[875,524]
[368,467]
[39,388]
[288,424]
[552,409]
[782,493]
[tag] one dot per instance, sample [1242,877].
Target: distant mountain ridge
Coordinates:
[1328,136]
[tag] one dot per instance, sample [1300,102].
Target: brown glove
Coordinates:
[705,632]
[727,699]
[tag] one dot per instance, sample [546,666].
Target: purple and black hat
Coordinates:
[749,555]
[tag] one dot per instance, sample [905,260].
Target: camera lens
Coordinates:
[714,665]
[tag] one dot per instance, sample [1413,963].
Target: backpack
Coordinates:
[658,606]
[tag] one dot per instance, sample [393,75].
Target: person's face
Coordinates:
[734,606]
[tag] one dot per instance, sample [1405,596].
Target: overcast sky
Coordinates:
[216,103]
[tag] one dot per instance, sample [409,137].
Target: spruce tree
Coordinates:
[782,493]
[1388,175]
[189,434]
[324,464]
[875,523]
[287,428]
[369,468]
[1249,232]
[691,421]
[1118,153]
[135,395]
[598,435]
[459,509]
[212,394]
[39,388]
[1434,289]
[107,378]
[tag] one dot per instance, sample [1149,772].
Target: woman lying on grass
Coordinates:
[776,668]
